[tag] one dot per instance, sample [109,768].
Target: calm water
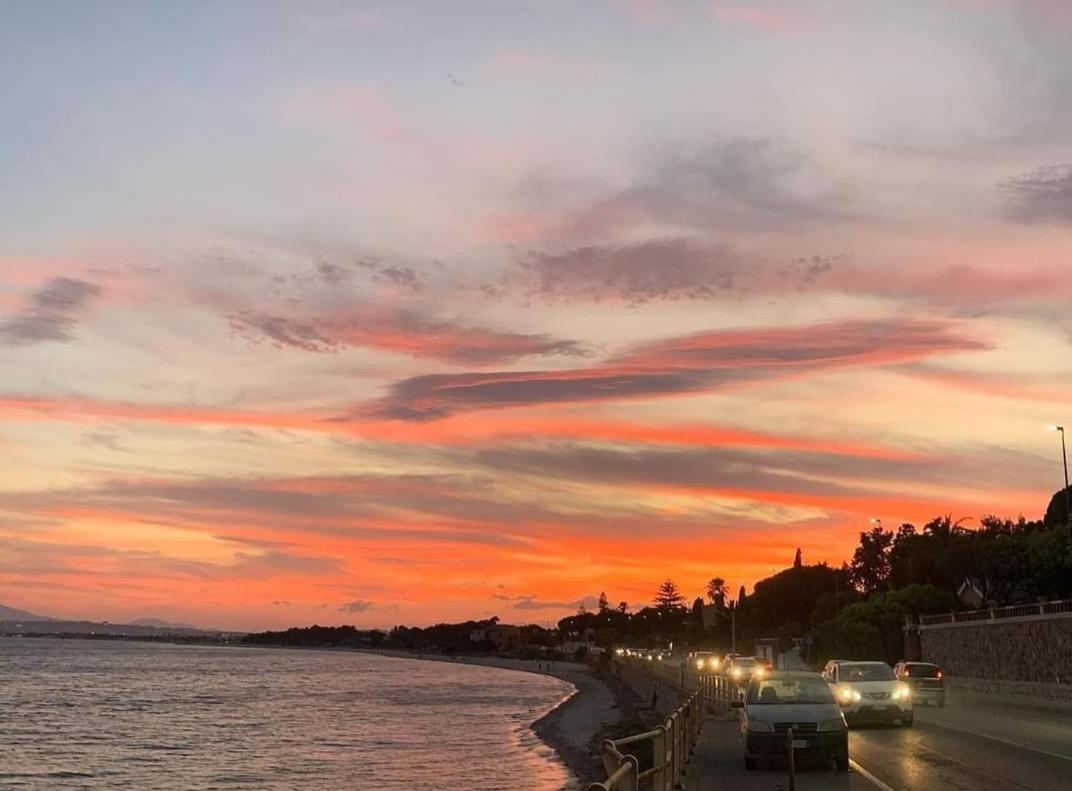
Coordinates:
[83,714]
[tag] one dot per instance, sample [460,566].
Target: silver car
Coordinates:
[801,701]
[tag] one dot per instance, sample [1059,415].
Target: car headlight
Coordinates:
[699,664]
[758,726]
[736,672]
[902,692]
[847,695]
[760,672]
[715,664]
[836,724]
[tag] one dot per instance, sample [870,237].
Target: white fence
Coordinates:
[1050,609]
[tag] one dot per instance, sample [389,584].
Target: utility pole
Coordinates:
[1064,460]
[733,630]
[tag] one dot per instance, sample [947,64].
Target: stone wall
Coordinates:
[1023,655]
[645,681]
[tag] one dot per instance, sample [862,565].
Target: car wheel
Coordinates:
[749,763]
[907,721]
[842,763]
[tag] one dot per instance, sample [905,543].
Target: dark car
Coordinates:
[797,700]
[925,679]
[743,669]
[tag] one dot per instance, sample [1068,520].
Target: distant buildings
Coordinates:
[503,636]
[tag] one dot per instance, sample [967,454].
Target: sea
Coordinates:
[91,714]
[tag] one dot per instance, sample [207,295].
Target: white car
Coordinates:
[706,662]
[869,692]
[797,701]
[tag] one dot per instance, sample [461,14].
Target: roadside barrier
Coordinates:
[672,744]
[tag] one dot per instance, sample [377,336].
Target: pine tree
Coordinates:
[668,597]
[604,605]
[798,561]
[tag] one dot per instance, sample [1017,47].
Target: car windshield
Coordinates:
[923,671]
[787,691]
[745,662]
[868,672]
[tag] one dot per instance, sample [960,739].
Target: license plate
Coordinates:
[800,744]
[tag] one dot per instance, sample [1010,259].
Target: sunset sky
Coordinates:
[397,312]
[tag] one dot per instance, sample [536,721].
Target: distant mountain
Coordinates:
[159,624]
[11,614]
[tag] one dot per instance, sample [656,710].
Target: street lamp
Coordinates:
[1064,460]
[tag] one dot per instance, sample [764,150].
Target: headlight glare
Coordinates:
[902,692]
[847,695]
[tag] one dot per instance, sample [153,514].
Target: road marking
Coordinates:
[868,776]
[1003,740]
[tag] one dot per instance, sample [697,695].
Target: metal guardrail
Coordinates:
[1061,607]
[672,742]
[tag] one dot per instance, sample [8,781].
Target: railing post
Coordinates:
[610,763]
[790,759]
[670,779]
[631,782]
[658,760]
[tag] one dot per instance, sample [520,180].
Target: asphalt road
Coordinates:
[970,745]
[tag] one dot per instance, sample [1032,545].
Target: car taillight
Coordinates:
[939,674]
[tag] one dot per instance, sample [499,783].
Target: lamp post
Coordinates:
[1064,460]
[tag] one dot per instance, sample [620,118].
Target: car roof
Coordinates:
[790,674]
[863,662]
[928,664]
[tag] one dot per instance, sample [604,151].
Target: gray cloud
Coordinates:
[357,605]
[673,268]
[50,313]
[749,181]
[402,332]
[532,603]
[695,363]
[667,269]
[1044,195]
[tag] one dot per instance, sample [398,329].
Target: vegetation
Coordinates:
[856,610]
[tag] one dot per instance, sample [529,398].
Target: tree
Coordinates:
[623,607]
[581,609]
[668,597]
[1057,513]
[603,604]
[798,561]
[716,592]
[697,610]
[740,597]
[870,567]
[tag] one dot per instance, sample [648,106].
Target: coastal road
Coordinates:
[970,745]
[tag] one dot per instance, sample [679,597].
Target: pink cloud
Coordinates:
[764,19]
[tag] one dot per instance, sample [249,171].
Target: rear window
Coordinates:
[923,671]
[745,662]
[849,672]
[789,691]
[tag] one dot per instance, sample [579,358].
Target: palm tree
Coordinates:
[716,591]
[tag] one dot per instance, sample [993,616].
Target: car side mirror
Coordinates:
[737,704]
